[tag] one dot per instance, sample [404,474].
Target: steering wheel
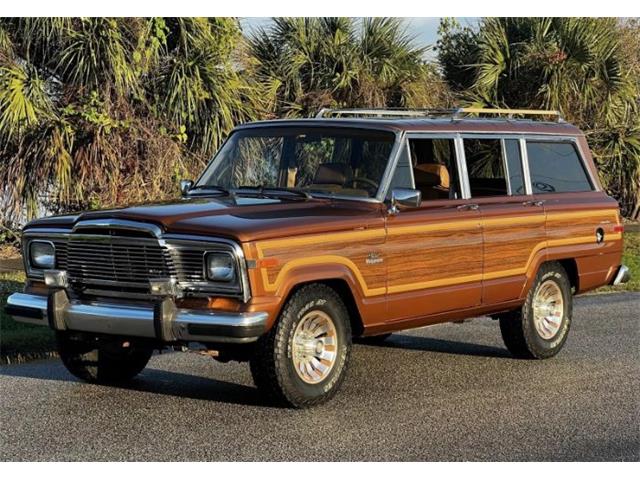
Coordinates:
[370,183]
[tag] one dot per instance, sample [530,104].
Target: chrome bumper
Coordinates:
[161,320]
[623,275]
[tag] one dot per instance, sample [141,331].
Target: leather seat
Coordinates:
[332,176]
[432,180]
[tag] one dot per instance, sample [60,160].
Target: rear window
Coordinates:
[556,167]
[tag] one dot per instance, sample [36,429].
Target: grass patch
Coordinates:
[630,258]
[20,341]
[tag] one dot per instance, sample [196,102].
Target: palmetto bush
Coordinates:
[97,112]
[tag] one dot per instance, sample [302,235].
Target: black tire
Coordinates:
[107,363]
[518,329]
[272,365]
[373,340]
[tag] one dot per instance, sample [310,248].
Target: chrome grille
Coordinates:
[189,264]
[112,260]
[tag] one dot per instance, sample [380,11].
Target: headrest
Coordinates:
[432,175]
[333,174]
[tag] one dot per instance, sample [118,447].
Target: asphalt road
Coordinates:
[448,392]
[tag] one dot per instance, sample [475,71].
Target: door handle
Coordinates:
[469,206]
[533,203]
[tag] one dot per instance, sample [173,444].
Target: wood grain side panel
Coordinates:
[510,242]
[348,249]
[433,258]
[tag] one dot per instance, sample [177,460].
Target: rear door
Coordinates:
[513,220]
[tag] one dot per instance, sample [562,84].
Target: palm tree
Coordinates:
[318,62]
[98,111]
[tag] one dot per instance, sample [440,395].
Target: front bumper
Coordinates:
[161,320]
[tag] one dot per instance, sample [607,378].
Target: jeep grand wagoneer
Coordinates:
[302,234]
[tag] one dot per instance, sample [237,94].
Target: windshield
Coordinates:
[315,160]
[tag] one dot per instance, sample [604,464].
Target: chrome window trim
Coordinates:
[390,169]
[169,241]
[524,155]
[490,133]
[462,167]
[505,165]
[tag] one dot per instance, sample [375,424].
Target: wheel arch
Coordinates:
[569,264]
[337,277]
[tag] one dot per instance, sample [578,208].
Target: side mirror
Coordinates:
[404,197]
[185,186]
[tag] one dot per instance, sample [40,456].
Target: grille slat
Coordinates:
[112,260]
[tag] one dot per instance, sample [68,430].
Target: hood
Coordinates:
[242,218]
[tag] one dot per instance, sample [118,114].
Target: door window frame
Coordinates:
[524,165]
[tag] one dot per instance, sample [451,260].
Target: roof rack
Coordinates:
[386,112]
[510,113]
[453,113]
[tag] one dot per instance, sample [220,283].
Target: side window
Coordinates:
[514,166]
[434,168]
[485,167]
[556,167]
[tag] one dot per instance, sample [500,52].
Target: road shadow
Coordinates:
[153,380]
[176,384]
[425,344]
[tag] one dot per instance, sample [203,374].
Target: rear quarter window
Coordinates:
[556,167]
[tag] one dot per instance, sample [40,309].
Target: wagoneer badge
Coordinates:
[373,258]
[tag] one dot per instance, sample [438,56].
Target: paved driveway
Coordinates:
[448,392]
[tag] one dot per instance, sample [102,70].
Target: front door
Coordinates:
[434,252]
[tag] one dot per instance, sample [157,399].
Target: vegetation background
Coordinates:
[97,112]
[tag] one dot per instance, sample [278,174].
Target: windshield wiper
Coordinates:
[222,191]
[277,192]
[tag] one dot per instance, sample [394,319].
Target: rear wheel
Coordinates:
[109,362]
[302,361]
[540,328]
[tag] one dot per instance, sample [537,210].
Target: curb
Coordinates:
[22,358]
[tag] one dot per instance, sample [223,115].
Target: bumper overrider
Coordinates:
[160,319]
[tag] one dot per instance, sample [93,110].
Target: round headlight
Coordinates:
[220,267]
[42,255]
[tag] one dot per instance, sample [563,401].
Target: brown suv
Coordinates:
[302,234]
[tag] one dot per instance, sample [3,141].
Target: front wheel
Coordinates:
[303,359]
[109,362]
[540,328]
